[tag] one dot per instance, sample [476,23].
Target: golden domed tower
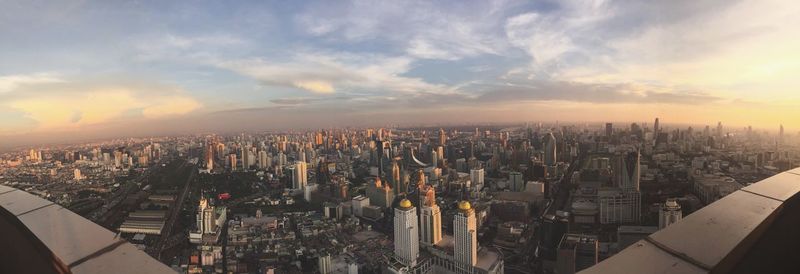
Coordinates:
[465,234]
[405,203]
[406,234]
[464,206]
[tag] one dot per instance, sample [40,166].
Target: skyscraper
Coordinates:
[669,213]
[465,234]
[515,181]
[209,156]
[656,128]
[627,170]
[299,175]
[395,179]
[324,264]
[263,162]
[549,149]
[431,223]
[406,236]
[245,158]
[379,194]
[576,252]
[609,129]
[476,177]
[232,160]
[442,137]
[206,217]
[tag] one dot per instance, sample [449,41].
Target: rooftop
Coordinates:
[752,230]
[64,239]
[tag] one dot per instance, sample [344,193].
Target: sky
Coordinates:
[86,69]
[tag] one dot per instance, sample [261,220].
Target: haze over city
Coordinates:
[89,69]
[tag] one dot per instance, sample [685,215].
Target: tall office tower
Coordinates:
[476,177]
[420,179]
[431,224]
[379,194]
[515,181]
[655,127]
[209,156]
[549,149]
[206,217]
[406,236]
[299,175]
[427,195]
[576,252]
[609,129]
[627,171]
[780,135]
[442,137]
[262,160]
[395,179]
[465,234]
[232,160]
[434,159]
[719,129]
[669,214]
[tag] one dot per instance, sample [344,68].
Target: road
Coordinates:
[174,212]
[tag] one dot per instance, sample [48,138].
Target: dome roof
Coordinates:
[405,203]
[464,205]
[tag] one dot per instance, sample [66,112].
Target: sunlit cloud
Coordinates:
[325,73]
[315,86]
[73,105]
[10,82]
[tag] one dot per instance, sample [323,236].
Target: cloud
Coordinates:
[315,86]
[325,73]
[421,29]
[550,91]
[161,47]
[71,105]
[9,83]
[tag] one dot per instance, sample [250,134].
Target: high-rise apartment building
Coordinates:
[299,175]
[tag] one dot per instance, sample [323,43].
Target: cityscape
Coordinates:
[531,198]
[399,137]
